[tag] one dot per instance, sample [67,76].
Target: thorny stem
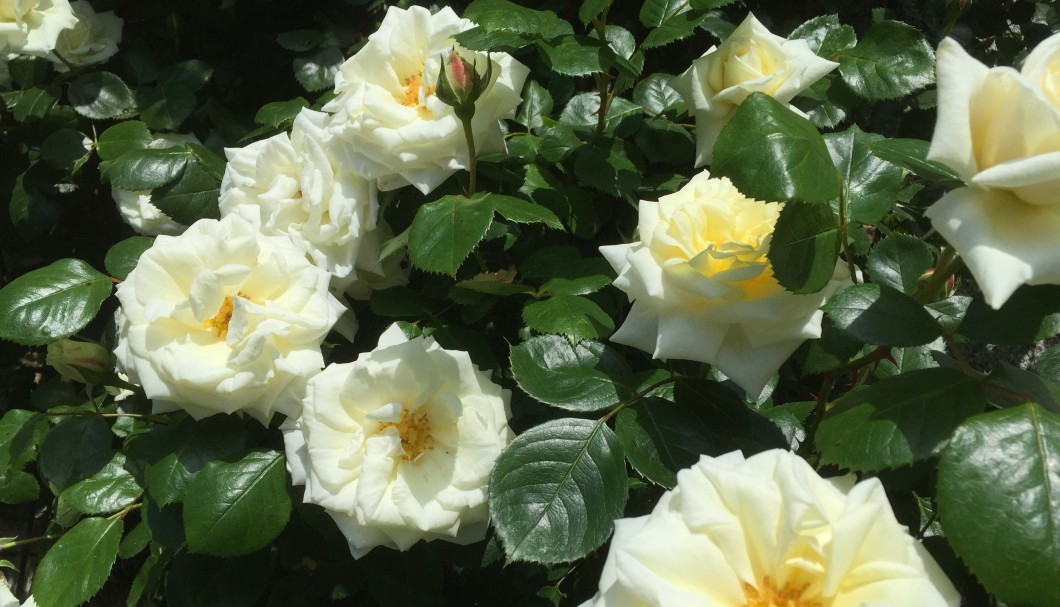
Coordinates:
[605,102]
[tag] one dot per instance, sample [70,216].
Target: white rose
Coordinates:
[392,126]
[33,26]
[293,185]
[93,39]
[767,530]
[398,446]
[750,60]
[136,207]
[999,129]
[223,319]
[703,289]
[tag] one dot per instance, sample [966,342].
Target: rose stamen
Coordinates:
[771,596]
[219,323]
[413,87]
[415,433]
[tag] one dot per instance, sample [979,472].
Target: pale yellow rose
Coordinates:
[999,129]
[703,289]
[32,26]
[93,39]
[767,531]
[750,60]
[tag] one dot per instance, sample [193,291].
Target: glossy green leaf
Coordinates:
[676,27]
[33,208]
[730,424]
[106,491]
[122,257]
[892,59]
[66,149]
[101,96]
[911,154]
[52,302]
[999,502]
[591,9]
[27,71]
[898,261]
[187,450]
[75,449]
[21,432]
[316,72]
[575,317]
[655,94]
[192,74]
[192,196]
[444,232]
[123,137]
[583,285]
[235,508]
[587,377]
[605,165]
[146,169]
[573,55]
[167,106]
[826,35]
[1047,367]
[660,438]
[75,568]
[557,489]
[506,16]
[870,184]
[537,103]
[805,247]
[771,153]
[522,211]
[280,113]
[897,421]
[35,102]
[880,315]
[1030,314]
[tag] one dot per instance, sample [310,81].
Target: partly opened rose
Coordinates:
[392,125]
[999,129]
[33,26]
[223,319]
[293,185]
[767,531]
[398,446]
[703,289]
[751,60]
[93,39]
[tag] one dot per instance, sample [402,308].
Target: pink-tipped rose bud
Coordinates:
[460,85]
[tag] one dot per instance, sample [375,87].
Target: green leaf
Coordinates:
[537,103]
[911,154]
[316,72]
[300,41]
[146,169]
[582,285]
[75,568]
[280,113]
[401,301]
[235,508]
[805,247]
[827,102]
[833,349]
[1029,315]
[730,424]
[882,316]
[573,55]
[101,96]
[481,39]
[654,12]
[18,487]
[557,489]
[521,211]
[66,149]
[506,16]
[122,257]
[192,445]
[52,302]
[35,102]
[444,232]
[1048,367]
[575,317]
[192,196]
[655,94]
[21,432]
[677,27]
[660,437]
[899,420]
[771,153]
[604,164]
[591,9]
[106,491]
[585,377]
[123,137]
[34,209]
[898,261]
[27,71]
[193,74]
[999,502]
[202,581]
[75,449]
[165,107]
[870,185]
[891,60]
[825,35]
[662,141]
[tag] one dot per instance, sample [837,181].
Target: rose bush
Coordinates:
[999,129]
[398,445]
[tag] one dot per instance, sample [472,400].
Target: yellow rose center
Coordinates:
[219,323]
[415,92]
[768,595]
[415,433]
[7,11]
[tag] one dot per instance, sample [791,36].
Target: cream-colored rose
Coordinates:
[398,446]
[32,27]
[750,60]
[93,39]
[136,207]
[224,319]
[67,356]
[391,125]
[294,185]
[767,531]
[999,129]
[703,289]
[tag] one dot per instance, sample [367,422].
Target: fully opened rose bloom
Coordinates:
[398,446]
[392,126]
[93,39]
[136,208]
[224,319]
[32,26]
[999,129]
[750,60]
[703,289]
[294,185]
[767,531]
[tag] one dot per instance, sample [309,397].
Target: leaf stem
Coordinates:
[28,540]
